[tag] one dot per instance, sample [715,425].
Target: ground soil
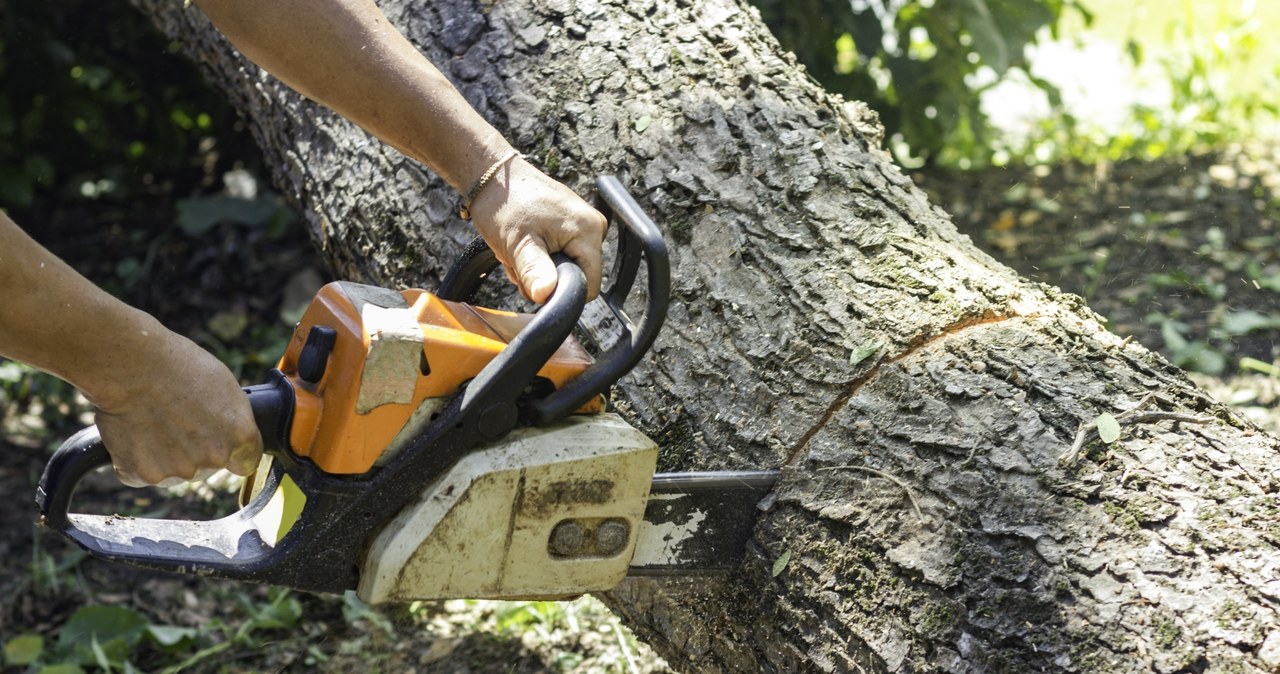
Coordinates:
[1183,241]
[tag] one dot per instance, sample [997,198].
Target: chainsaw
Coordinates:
[419,447]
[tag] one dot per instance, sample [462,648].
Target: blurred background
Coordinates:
[1126,152]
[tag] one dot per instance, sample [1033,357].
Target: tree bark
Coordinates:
[828,320]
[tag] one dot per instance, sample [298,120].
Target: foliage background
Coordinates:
[917,62]
[98,107]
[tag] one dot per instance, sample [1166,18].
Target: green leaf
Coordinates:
[987,39]
[1246,321]
[354,609]
[780,563]
[228,325]
[1208,360]
[116,630]
[171,636]
[100,656]
[643,123]
[198,215]
[24,649]
[283,612]
[130,271]
[1134,49]
[1256,365]
[863,352]
[61,668]
[1171,332]
[1108,427]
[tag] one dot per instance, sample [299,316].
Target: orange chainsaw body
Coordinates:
[374,379]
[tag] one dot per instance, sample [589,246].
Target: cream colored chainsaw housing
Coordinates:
[545,513]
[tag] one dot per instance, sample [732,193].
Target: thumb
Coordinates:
[536,271]
[245,458]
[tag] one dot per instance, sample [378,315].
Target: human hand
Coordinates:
[178,414]
[525,216]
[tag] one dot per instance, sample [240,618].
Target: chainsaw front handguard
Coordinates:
[637,238]
[322,551]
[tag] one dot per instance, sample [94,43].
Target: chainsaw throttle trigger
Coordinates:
[638,238]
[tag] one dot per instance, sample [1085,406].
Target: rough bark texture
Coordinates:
[828,320]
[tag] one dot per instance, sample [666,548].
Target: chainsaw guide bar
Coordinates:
[699,521]
[420,447]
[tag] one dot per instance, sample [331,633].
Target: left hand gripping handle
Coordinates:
[226,547]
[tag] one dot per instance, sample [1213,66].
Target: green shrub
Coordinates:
[97,105]
[918,62]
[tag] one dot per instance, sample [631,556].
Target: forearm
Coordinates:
[346,55]
[55,320]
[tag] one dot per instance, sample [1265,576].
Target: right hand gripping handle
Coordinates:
[223,547]
[638,238]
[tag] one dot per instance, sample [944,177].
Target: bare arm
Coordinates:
[167,410]
[346,55]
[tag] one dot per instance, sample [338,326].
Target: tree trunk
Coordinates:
[828,320]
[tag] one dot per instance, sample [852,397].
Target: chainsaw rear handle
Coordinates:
[82,453]
[638,238]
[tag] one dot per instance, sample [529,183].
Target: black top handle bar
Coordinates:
[638,238]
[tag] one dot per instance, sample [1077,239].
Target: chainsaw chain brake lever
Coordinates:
[638,238]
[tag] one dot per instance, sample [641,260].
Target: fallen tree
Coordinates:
[947,502]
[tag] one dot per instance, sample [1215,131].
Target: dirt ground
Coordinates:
[1179,253]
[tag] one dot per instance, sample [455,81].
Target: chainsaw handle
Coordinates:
[82,453]
[78,456]
[638,238]
[468,272]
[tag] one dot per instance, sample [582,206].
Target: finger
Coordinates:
[131,477]
[536,270]
[128,478]
[588,258]
[244,459]
[515,281]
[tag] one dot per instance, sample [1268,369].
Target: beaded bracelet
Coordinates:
[465,211]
